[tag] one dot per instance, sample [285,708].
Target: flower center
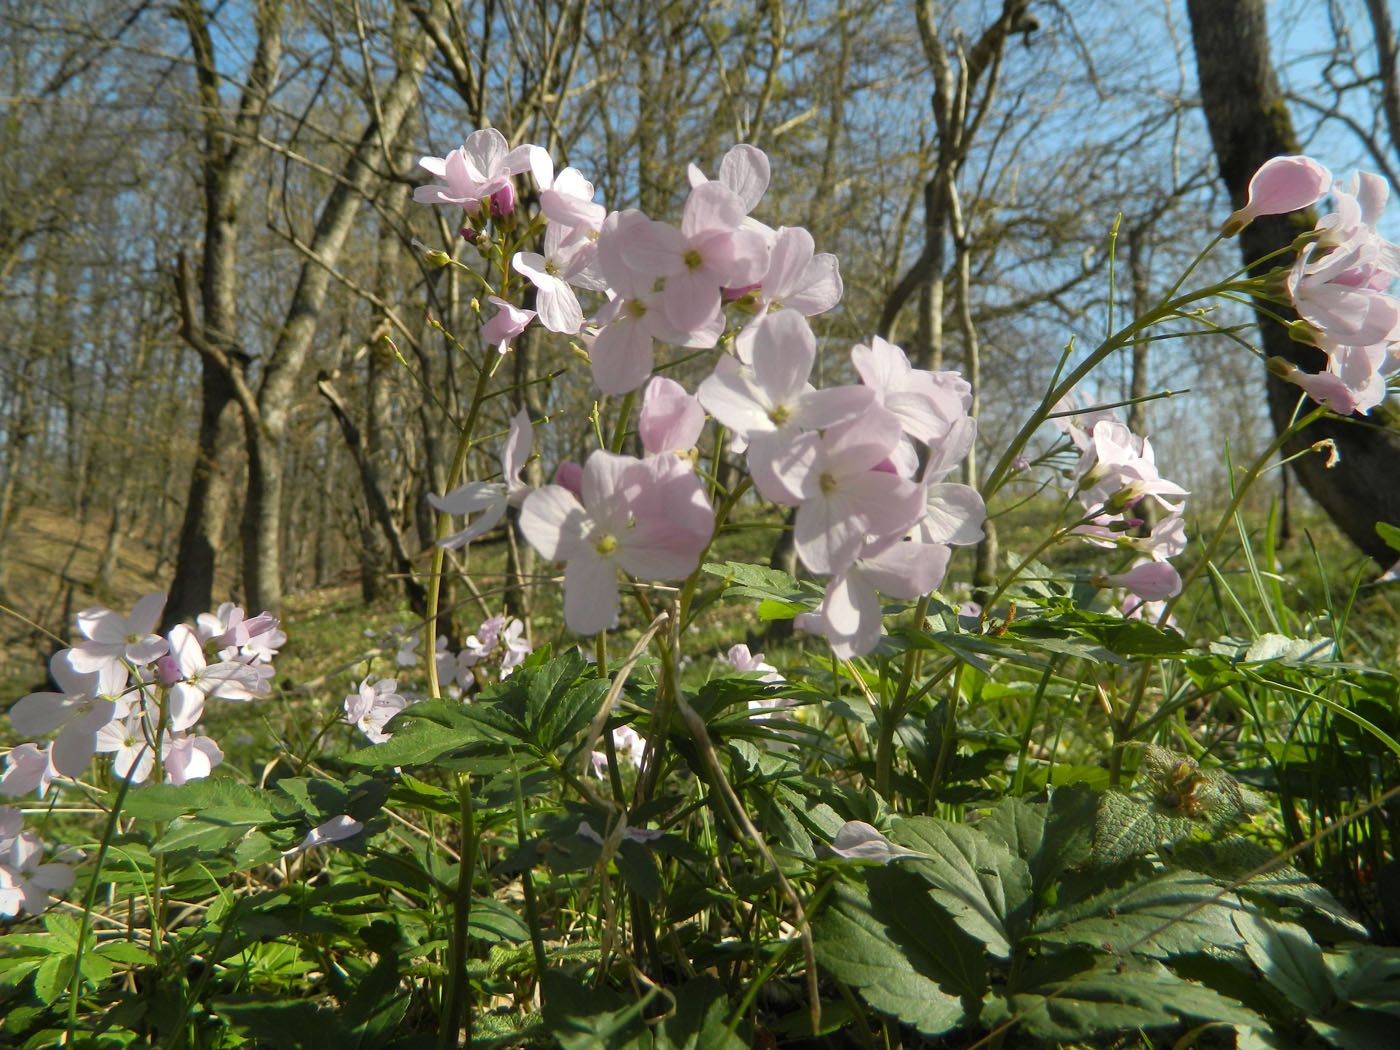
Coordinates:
[693,260]
[827,483]
[605,545]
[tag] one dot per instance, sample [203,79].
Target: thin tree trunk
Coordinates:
[227,159]
[1249,123]
[266,435]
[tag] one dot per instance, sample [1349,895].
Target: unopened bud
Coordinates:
[468,234]
[437,257]
[1302,332]
[503,200]
[1280,367]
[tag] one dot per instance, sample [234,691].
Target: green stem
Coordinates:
[457,1012]
[1123,728]
[444,524]
[84,923]
[1119,339]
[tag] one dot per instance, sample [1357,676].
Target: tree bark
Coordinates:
[1249,123]
[266,433]
[226,156]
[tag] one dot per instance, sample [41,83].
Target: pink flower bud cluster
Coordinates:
[1115,472]
[1340,282]
[868,515]
[126,691]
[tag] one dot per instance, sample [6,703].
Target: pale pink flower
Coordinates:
[25,884]
[507,323]
[1153,581]
[190,757]
[744,170]
[774,395]
[671,419]
[569,261]
[648,517]
[228,680]
[28,768]
[797,279]
[85,705]
[953,514]
[490,499]
[566,199]
[132,755]
[1281,185]
[337,829]
[841,492]
[113,638]
[475,170]
[850,613]
[708,252]
[372,706]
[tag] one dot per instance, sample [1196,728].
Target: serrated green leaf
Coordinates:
[901,972]
[1289,960]
[416,744]
[1126,827]
[571,714]
[1052,837]
[52,978]
[546,686]
[982,884]
[1233,858]
[1167,913]
[199,838]
[64,931]
[214,800]
[1066,998]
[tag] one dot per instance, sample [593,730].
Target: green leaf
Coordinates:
[284,1025]
[570,715]
[546,686]
[1168,913]
[418,743]
[982,884]
[700,1019]
[1051,837]
[64,931]
[490,920]
[52,978]
[1066,997]
[1126,827]
[1231,859]
[1290,961]
[902,970]
[586,1018]
[1389,535]
[214,800]
[198,838]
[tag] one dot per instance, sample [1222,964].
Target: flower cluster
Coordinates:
[1115,472]
[1339,284]
[124,690]
[864,464]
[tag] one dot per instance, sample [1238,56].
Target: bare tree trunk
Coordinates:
[227,157]
[267,433]
[1249,123]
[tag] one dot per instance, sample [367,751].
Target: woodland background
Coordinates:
[219,339]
